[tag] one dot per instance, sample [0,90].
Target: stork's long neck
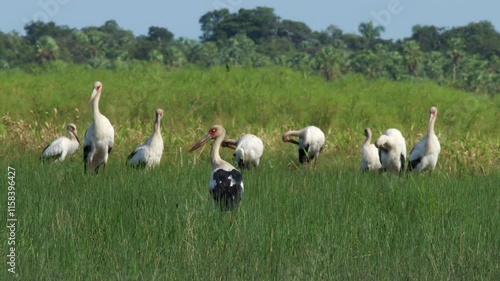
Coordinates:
[157,129]
[368,139]
[430,126]
[293,133]
[215,156]
[287,135]
[95,106]
[231,141]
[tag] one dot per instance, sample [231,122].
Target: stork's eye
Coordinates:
[97,88]
[212,131]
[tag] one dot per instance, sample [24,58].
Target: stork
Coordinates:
[149,153]
[247,150]
[424,155]
[62,146]
[370,159]
[392,150]
[99,137]
[226,182]
[311,142]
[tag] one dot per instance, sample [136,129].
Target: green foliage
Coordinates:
[46,49]
[465,57]
[370,33]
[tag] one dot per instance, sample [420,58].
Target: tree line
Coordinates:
[467,57]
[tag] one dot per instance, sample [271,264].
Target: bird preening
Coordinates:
[149,153]
[310,143]
[99,137]
[392,150]
[247,150]
[63,146]
[388,153]
[226,182]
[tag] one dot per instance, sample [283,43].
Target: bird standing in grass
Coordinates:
[247,150]
[311,142]
[392,150]
[370,159]
[62,146]
[226,182]
[149,153]
[424,155]
[99,137]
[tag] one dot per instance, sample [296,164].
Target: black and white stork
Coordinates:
[424,155]
[99,137]
[311,142]
[392,150]
[226,182]
[247,150]
[149,153]
[62,146]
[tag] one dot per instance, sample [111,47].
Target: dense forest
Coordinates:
[466,57]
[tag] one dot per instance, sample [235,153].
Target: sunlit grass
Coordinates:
[267,102]
[294,223]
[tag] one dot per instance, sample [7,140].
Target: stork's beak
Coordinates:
[200,143]
[288,139]
[77,139]
[92,97]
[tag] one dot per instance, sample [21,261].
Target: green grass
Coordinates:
[293,224]
[267,102]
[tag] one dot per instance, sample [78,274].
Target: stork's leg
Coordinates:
[105,167]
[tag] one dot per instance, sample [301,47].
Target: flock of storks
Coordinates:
[388,153]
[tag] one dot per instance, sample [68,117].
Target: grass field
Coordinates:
[293,224]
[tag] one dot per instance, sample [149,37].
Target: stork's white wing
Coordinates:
[55,148]
[138,156]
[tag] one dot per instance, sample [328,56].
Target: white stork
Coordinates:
[247,150]
[99,137]
[426,152]
[226,182]
[370,159]
[149,153]
[62,146]
[311,142]
[392,150]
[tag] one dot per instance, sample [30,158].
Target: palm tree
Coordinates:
[332,62]
[46,49]
[456,54]
[412,56]
[370,32]
[155,56]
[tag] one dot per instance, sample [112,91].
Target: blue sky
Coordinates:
[181,17]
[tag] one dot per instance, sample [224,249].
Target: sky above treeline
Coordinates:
[182,17]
